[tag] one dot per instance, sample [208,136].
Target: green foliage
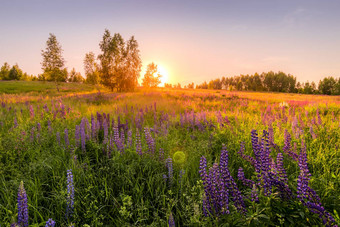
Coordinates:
[120,62]
[91,69]
[75,76]
[53,61]
[273,82]
[128,189]
[150,79]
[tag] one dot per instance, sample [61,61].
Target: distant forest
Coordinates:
[120,64]
[273,82]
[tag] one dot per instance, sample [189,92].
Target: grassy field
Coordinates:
[163,157]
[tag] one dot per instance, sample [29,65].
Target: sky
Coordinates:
[193,40]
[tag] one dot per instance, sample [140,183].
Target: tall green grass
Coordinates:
[128,189]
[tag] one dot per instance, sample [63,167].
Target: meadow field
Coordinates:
[84,156]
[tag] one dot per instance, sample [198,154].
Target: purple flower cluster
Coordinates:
[149,140]
[244,156]
[129,138]
[117,139]
[22,206]
[171,221]
[161,154]
[287,148]
[307,195]
[70,194]
[219,187]
[170,171]
[269,173]
[138,143]
[50,223]
[83,134]
[243,179]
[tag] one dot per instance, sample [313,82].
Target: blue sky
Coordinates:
[194,40]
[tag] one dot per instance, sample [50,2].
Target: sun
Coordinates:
[161,69]
[164,73]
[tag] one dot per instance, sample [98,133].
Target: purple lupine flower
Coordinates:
[45,107]
[38,127]
[50,223]
[319,117]
[311,131]
[129,138]
[70,194]
[67,142]
[22,206]
[243,179]
[15,122]
[15,225]
[207,186]
[138,143]
[271,135]
[307,195]
[170,171]
[161,154]
[83,135]
[254,194]
[100,120]
[244,156]
[49,126]
[280,169]
[149,140]
[181,174]
[214,175]
[122,137]
[117,140]
[256,150]
[288,147]
[31,111]
[32,134]
[171,219]
[230,183]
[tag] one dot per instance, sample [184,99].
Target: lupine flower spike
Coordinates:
[22,206]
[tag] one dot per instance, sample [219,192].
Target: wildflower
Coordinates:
[171,220]
[161,154]
[129,138]
[22,206]
[117,139]
[15,122]
[242,178]
[149,140]
[170,170]
[50,223]
[70,194]
[287,146]
[307,195]
[82,135]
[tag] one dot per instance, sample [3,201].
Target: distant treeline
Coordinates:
[273,82]
[15,73]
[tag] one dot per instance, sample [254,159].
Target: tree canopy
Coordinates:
[53,61]
[120,62]
[150,79]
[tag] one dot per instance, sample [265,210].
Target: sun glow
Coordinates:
[163,71]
